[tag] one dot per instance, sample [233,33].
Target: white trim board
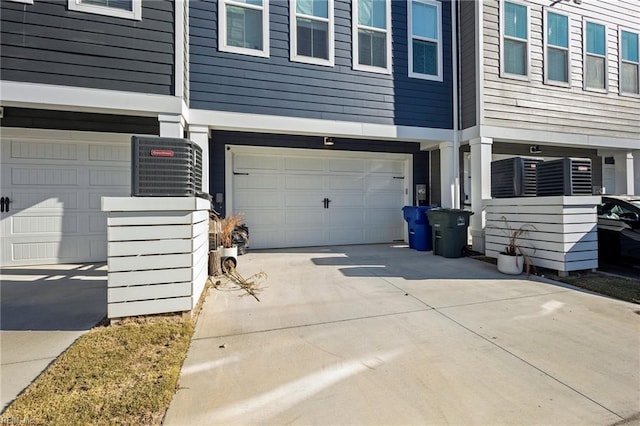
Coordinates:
[221,120]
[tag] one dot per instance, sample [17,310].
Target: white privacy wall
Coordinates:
[565,236]
[157,254]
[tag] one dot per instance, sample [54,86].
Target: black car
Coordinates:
[619,227]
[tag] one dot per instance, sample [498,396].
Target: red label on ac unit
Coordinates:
[162,153]
[583,168]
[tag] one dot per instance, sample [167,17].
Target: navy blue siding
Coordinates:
[276,86]
[45,43]
[219,139]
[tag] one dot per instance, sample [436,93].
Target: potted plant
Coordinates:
[229,251]
[513,259]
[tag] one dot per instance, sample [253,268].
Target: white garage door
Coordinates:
[298,198]
[54,181]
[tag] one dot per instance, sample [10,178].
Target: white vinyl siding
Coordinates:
[371,35]
[243,27]
[424,25]
[514,29]
[595,56]
[312,34]
[629,62]
[129,9]
[557,41]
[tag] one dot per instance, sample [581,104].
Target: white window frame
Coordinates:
[621,61]
[135,13]
[222,29]
[546,49]
[411,37]
[527,76]
[293,46]
[354,36]
[585,54]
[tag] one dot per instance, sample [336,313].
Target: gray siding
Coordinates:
[467,64]
[276,86]
[45,43]
[533,104]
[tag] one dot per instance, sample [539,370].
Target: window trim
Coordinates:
[621,61]
[293,42]
[222,29]
[354,38]
[546,46]
[438,5]
[22,1]
[80,6]
[503,73]
[585,54]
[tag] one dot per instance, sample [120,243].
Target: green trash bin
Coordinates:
[449,231]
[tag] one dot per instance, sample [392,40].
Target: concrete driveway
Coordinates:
[43,310]
[388,335]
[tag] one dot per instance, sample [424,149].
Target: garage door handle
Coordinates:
[326,202]
[4,203]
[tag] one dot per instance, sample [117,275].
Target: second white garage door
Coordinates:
[301,198]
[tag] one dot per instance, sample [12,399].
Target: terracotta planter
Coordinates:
[511,265]
[228,257]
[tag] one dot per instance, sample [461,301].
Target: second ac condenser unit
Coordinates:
[165,167]
[566,176]
[514,177]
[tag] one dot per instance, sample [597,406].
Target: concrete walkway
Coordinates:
[43,310]
[388,335]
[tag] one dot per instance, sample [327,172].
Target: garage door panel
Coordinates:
[341,200]
[383,199]
[384,183]
[264,218]
[302,199]
[346,217]
[257,181]
[256,199]
[43,176]
[43,150]
[347,182]
[382,217]
[303,164]
[109,177]
[110,154]
[44,224]
[254,162]
[347,236]
[304,182]
[387,166]
[346,165]
[39,201]
[306,218]
[303,237]
[98,223]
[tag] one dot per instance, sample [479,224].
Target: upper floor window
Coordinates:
[243,27]
[130,9]
[595,58]
[312,38]
[372,35]
[629,62]
[515,39]
[557,48]
[425,39]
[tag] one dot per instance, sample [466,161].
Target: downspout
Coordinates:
[456,130]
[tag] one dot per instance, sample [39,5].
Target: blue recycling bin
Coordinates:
[419,228]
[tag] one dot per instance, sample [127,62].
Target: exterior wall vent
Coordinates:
[514,177]
[565,176]
[165,167]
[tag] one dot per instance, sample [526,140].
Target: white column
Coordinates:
[447,177]
[200,135]
[171,125]
[630,178]
[636,171]
[480,188]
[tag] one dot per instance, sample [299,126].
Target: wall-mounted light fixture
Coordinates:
[328,141]
[534,149]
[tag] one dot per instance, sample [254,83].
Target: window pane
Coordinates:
[595,38]
[372,48]
[557,65]
[372,13]
[319,8]
[629,78]
[424,20]
[425,57]
[515,57]
[244,27]
[312,38]
[629,46]
[557,28]
[515,20]
[595,72]
[116,4]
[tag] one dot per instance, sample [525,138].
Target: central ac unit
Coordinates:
[165,167]
[565,176]
[514,177]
